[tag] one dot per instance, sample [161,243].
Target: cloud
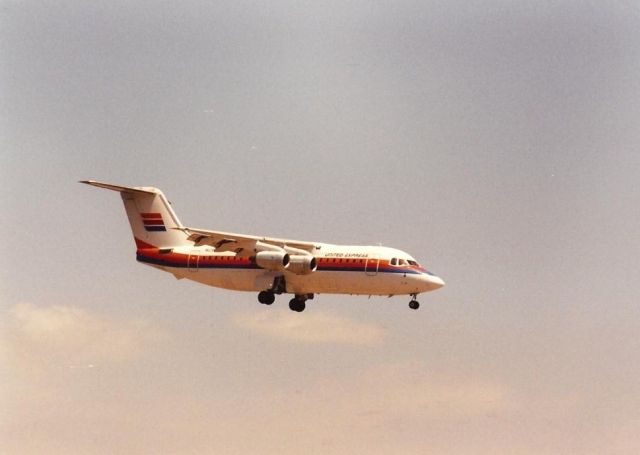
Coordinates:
[398,391]
[145,395]
[413,389]
[37,336]
[388,408]
[65,371]
[312,327]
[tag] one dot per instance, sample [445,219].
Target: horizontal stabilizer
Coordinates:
[127,189]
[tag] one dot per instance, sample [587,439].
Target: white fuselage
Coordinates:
[368,270]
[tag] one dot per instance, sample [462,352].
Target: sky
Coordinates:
[496,141]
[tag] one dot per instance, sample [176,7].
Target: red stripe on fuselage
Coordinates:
[204,261]
[173,259]
[151,216]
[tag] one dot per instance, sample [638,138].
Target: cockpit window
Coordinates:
[402,262]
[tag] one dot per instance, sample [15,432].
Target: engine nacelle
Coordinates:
[273,260]
[302,264]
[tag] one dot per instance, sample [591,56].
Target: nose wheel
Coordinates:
[414,304]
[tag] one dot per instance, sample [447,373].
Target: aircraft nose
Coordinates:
[435,282]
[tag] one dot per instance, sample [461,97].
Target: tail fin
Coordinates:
[151,217]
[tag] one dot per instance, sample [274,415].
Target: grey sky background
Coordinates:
[496,141]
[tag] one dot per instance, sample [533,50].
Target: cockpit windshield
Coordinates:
[403,262]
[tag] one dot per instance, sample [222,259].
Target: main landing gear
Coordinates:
[269,296]
[266,297]
[414,304]
[298,302]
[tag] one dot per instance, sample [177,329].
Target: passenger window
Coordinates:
[402,262]
[394,261]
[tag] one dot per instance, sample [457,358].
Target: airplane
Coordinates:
[268,266]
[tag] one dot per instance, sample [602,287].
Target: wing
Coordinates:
[244,244]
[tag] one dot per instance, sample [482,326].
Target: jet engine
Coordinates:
[273,260]
[302,264]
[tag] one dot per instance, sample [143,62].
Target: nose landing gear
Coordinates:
[414,304]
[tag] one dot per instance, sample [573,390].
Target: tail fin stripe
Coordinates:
[155,216]
[152,222]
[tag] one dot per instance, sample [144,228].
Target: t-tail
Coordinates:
[153,221]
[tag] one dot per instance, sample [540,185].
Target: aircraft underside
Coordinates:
[304,287]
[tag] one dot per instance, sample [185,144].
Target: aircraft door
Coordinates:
[192,262]
[371,267]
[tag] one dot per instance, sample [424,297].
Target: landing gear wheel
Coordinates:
[414,304]
[297,305]
[266,297]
